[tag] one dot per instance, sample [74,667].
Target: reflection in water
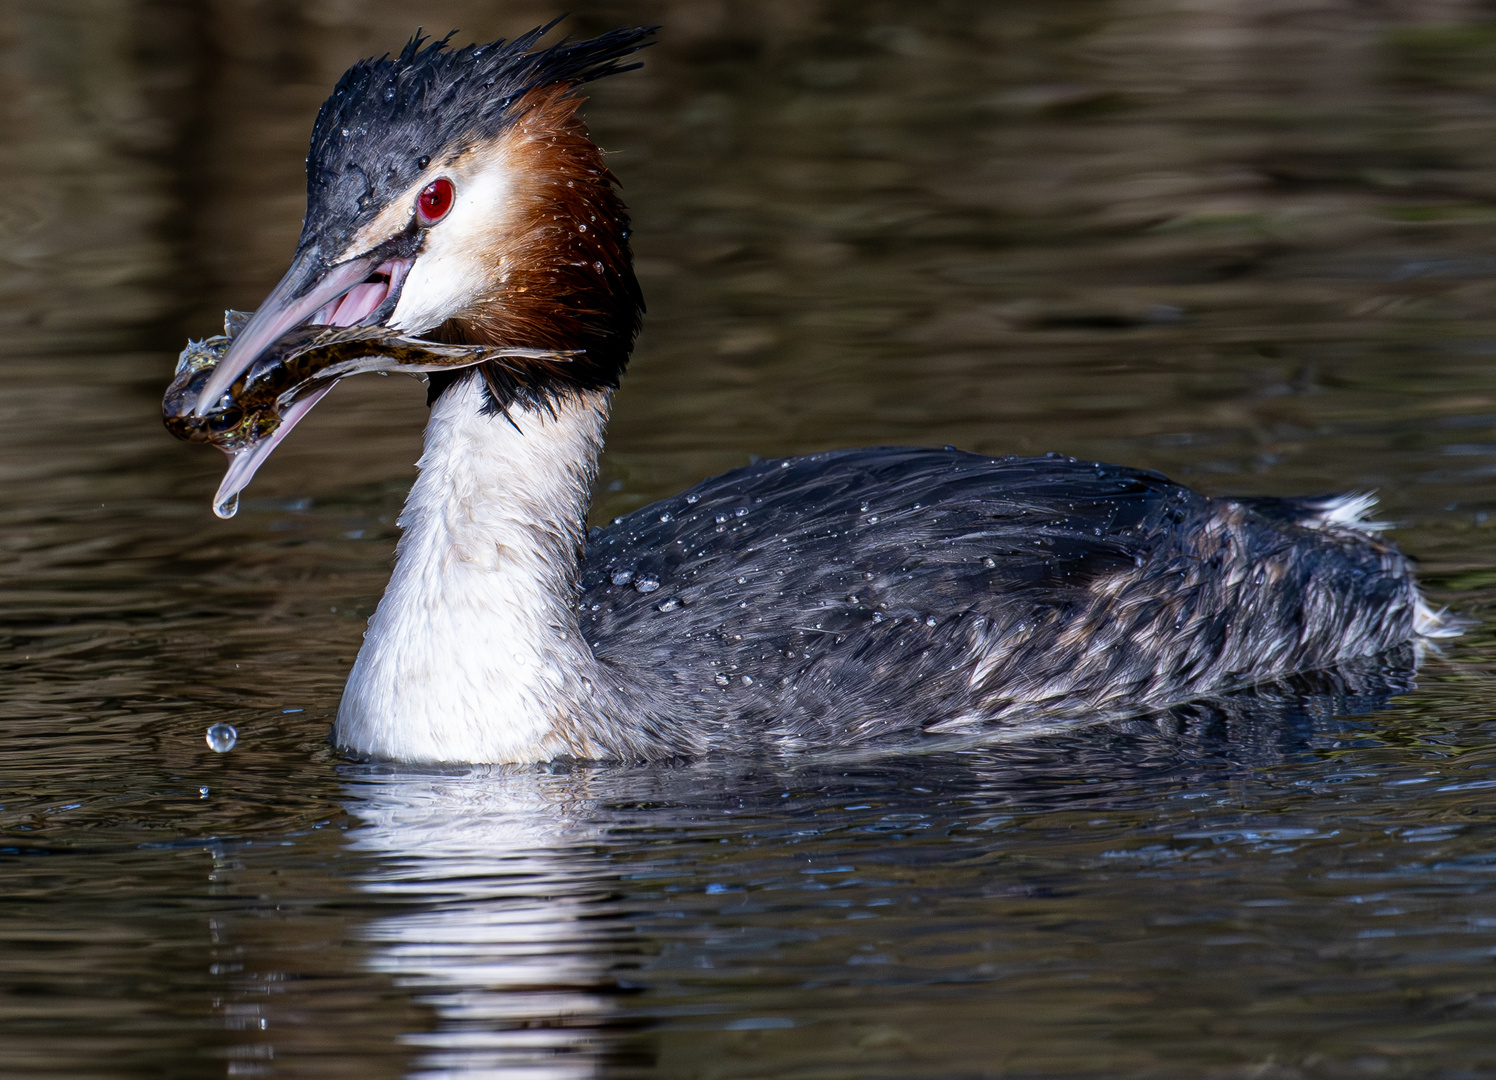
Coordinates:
[503,885]
[1271,724]
[499,930]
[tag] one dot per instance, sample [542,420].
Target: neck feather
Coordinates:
[557,253]
[474,653]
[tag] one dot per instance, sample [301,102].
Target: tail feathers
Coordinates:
[1428,623]
[1349,510]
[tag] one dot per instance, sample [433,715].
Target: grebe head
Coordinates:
[456,194]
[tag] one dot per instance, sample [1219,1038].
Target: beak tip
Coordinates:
[307,287]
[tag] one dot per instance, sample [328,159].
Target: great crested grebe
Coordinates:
[815,601]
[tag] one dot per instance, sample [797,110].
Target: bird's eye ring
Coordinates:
[435,200]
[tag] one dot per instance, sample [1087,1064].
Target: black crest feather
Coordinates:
[385,115]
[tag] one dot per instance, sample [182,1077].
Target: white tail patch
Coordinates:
[1348,511]
[1428,623]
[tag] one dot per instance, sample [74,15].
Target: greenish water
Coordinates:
[1253,246]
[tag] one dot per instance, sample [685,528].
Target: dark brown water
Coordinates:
[1250,244]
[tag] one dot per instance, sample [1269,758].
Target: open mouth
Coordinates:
[372,299]
[265,396]
[358,303]
[352,292]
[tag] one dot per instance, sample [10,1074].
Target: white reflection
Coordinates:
[497,927]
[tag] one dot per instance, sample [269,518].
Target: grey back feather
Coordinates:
[829,598]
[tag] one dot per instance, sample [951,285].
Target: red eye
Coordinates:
[435,200]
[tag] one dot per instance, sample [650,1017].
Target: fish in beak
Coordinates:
[265,398]
[445,189]
[342,295]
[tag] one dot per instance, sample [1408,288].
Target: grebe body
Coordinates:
[808,602]
[825,600]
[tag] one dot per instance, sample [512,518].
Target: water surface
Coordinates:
[1253,246]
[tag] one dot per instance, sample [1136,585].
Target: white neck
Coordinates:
[474,654]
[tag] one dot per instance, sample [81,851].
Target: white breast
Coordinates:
[474,654]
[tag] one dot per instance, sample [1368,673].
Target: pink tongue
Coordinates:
[358,302]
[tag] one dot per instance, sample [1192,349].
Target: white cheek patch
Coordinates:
[461,259]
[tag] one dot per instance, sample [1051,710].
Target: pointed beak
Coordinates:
[243,464]
[309,286]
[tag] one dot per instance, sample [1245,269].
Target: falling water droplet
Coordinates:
[221,738]
[229,507]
